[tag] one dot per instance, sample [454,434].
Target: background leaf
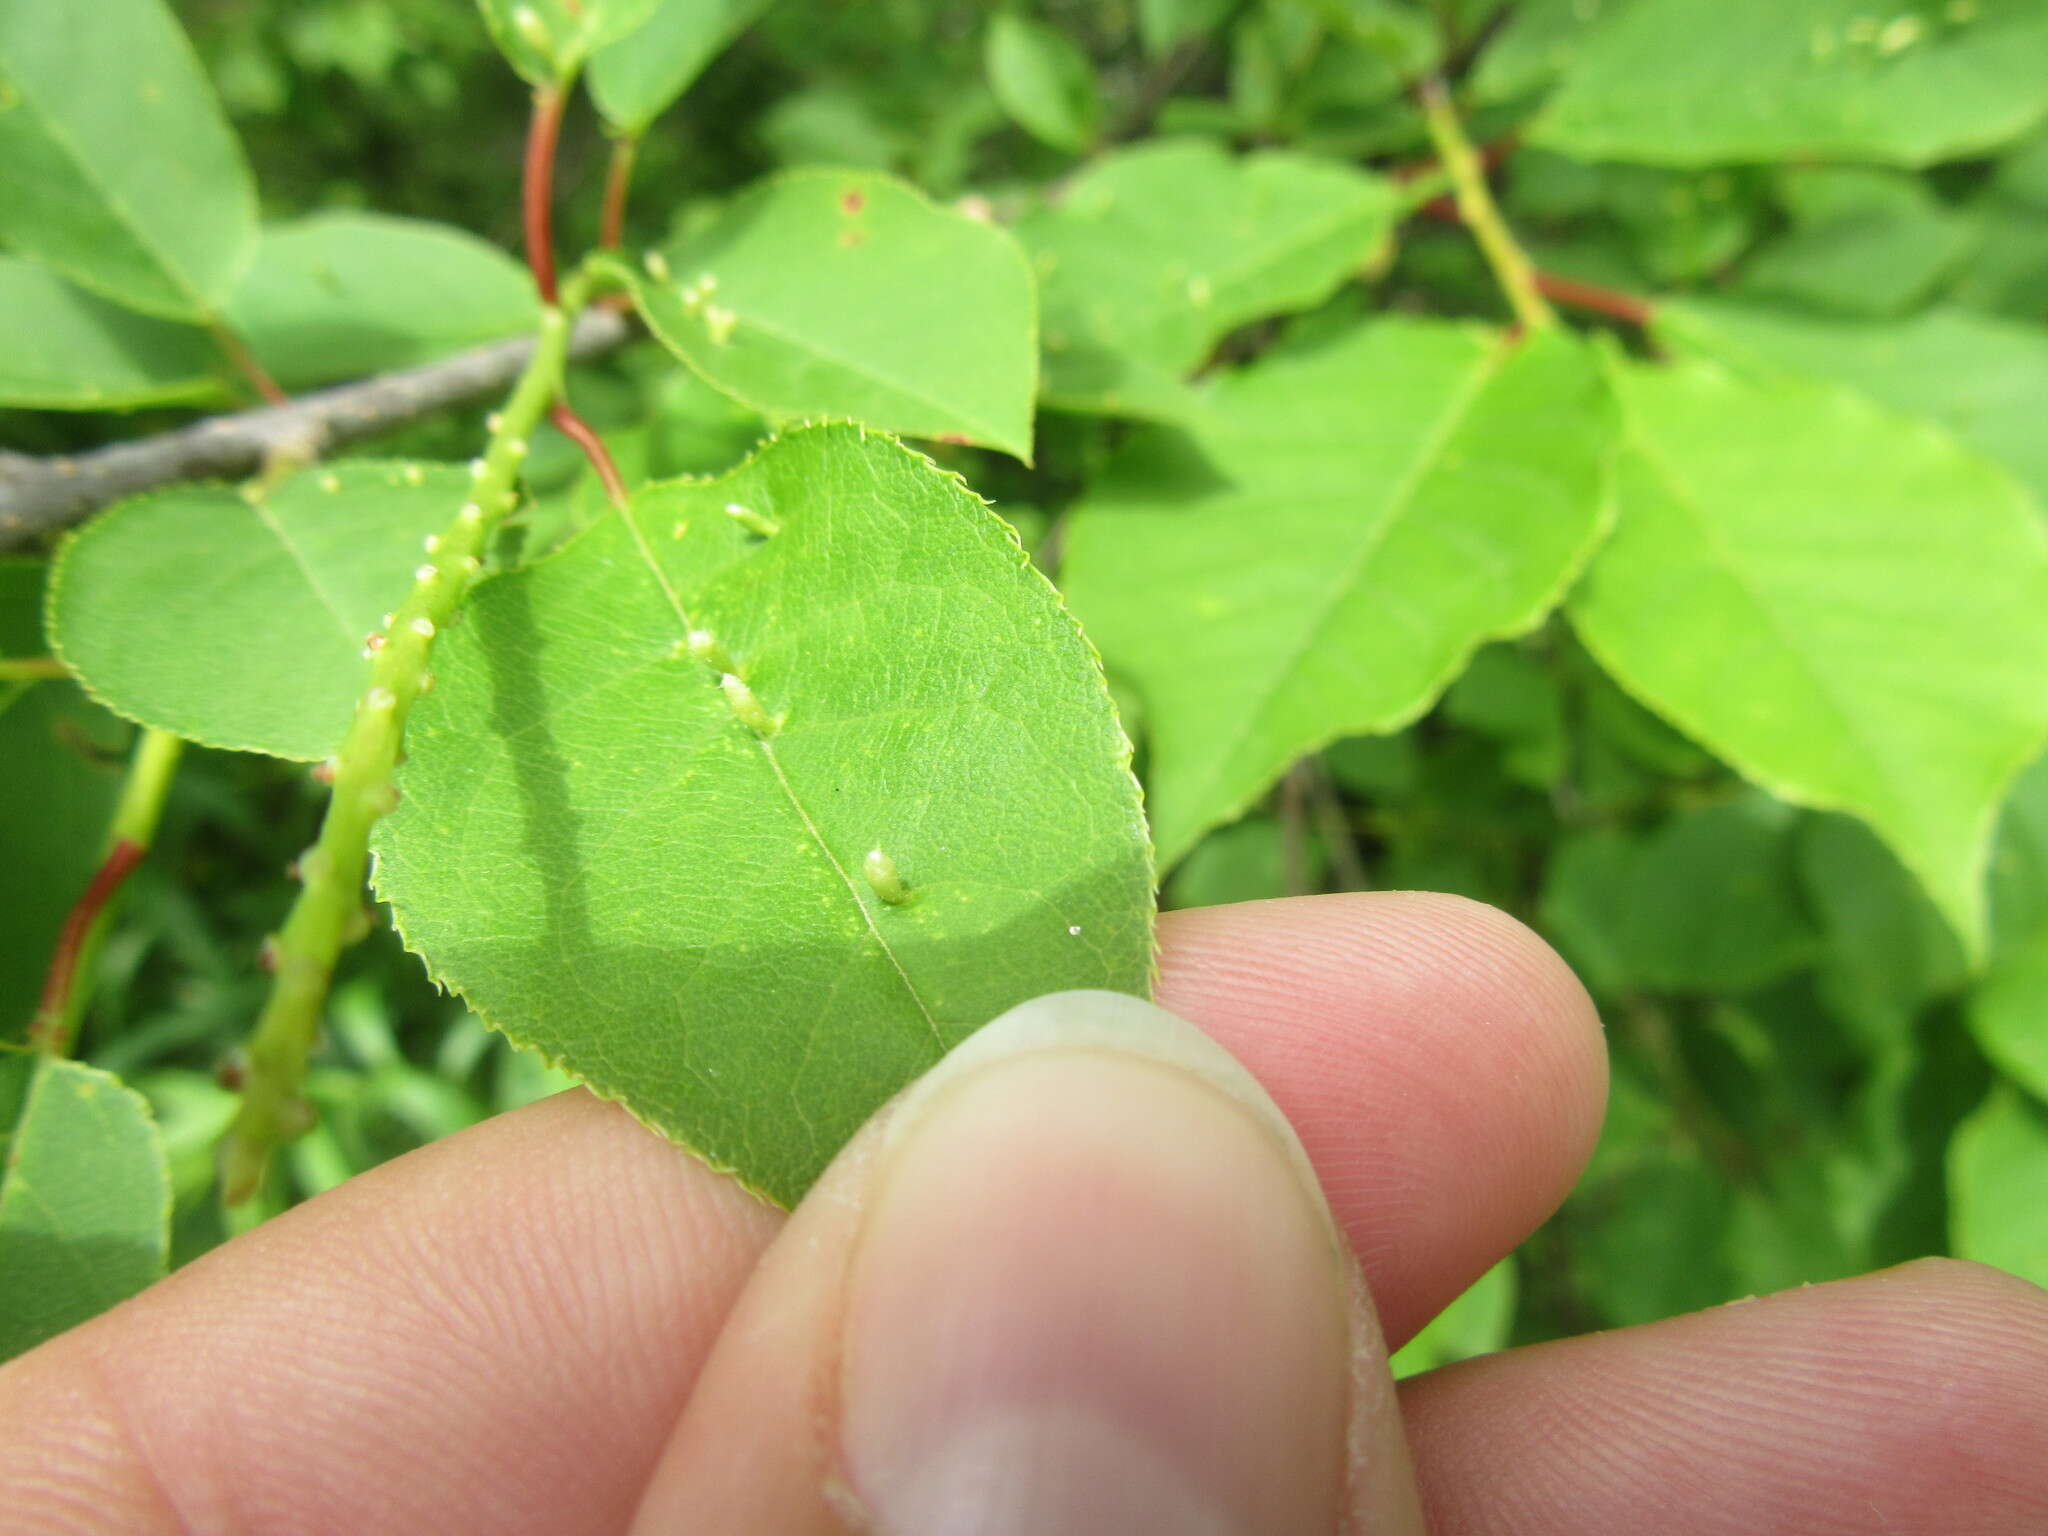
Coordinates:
[85,1197]
[1153,254]
[1846,605]
[1997,1168]
[121,172]
[345,295]
[1043,80]
[548,40]
[602,856]
[636,79]
[1323,555]
[1713,82]
[1984,379]
[69,350]
[241,623]
[61,758]
[847,294]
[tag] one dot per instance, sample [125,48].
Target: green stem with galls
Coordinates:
[328,912]
[1512,268]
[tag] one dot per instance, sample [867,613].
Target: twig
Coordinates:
[538,186]
[237,352]
[1615,303]
[1612,302]
[1512,268]
[129,836]
[584,436]
[303,952]
[618,183]
[41,495]
[1335,826]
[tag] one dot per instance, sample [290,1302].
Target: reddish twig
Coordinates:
[618,181]
[1628,308]
[47,1032]
[538,189]
[238,353]
[1612,302]
[584,436]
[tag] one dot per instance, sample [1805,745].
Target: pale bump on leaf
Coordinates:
[849,295]
[1321,557]
[85,1197]
[122,172]
[1846,605]
[640,810]
[243,622]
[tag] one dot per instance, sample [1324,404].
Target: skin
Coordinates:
[503,1330]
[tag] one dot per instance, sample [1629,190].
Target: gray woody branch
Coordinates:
[39,495]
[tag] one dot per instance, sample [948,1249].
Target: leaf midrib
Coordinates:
[1687,502]
[796,804]
[1434,442]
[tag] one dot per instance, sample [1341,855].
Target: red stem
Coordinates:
[1611,302]
[238,353]
[618,181]
[538,189]
[47,1032]
[580,432]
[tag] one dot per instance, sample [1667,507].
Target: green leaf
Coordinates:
[1707,903]
[1536,44]
[1864,242]
[848,294]
[61,761]
[1847,606]
[85,1197]
[2008,1013]
[1322,556]
[1043,80]
[1477,1323]
[2019,862]
[547,41]
[121,172]
[1164,24]
[241,623]
[1152,255]
[1246,861]
[1885,951]
[639,77]
[1997,1168]
[1707,82]
[1982,378]
[344,295]
[68,350]
[661,876]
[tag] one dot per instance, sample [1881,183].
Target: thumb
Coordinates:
[1079,1279]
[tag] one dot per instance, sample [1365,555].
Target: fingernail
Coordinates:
[1095,1291]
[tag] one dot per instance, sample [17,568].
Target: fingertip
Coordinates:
[1445,1069]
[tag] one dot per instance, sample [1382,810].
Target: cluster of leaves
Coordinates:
[1710,636]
